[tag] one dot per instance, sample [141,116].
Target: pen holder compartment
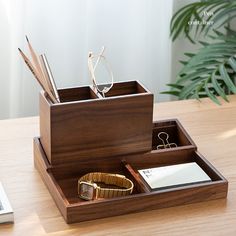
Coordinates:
[76,94]
[172,134]
[83,125]
[126,88]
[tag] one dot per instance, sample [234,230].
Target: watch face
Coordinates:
[86,191]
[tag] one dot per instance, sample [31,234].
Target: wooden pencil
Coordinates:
[38,66]
[37,75]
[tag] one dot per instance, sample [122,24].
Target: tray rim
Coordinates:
[65,207]
[99,98]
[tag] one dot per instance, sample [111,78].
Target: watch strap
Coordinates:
[126,185]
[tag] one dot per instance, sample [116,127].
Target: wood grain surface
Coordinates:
[64,189]
[211,127]
[122,123]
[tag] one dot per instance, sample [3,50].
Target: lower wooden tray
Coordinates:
[62,184]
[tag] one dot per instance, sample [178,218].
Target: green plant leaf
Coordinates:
[193,11]
[203,43]
[187,90]
[226,78]
[193,75]
[187,69]
[232,63]
[230,31]
[176,18]
[198,90]
[210,94]
[174,93]
[175,86]
[214,7]
[183,62]
[217,87]
[188,54]
[209,72]
[183,26]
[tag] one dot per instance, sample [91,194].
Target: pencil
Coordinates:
[37,65]
[36,75]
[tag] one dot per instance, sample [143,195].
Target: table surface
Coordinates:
[212,127]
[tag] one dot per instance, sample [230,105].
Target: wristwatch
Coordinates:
[89,190]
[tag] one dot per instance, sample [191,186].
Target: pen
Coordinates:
[48,73]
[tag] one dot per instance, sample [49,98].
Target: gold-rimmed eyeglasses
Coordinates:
[93,62]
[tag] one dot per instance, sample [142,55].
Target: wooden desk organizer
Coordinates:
[73,142]
[84,125]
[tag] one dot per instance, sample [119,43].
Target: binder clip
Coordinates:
[164,137]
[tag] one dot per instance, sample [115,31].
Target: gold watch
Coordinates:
[89,190]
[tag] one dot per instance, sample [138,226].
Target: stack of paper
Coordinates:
[174,175]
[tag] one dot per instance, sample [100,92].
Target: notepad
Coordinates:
[174,175]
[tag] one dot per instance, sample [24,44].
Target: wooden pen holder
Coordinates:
[84,125]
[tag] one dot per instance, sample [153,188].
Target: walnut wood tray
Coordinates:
[61,179]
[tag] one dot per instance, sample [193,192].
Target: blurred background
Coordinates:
[136,34]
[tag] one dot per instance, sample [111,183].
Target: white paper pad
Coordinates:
[181,174]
